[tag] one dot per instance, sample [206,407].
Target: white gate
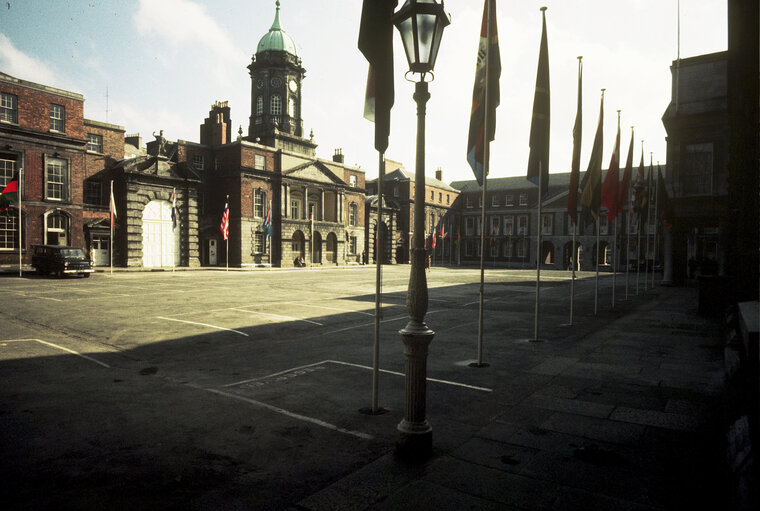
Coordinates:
[100,251]
[160,241]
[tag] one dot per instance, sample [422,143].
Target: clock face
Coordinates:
[276,82]
[293,86]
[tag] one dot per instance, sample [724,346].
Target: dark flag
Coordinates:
[476,139]
[646,201]
[538,160]
[591,185]
[639,191]
[611,183]
[9,193]
[376,43]
[575,172]
[665,213]
[624,185]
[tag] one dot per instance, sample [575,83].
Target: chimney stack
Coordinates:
[338,156]
[439,174]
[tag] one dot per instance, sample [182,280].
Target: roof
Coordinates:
[277,39]
[402,175]
[503,184]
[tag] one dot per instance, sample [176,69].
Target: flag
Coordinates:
[225,226]
[490,71]
[268,223]
[638,191]
[112,207]
[646,197]
[9,194]
[174,209]
[458,239]
[665,213]
[591,185]
[611,185]
[433,235]
[443,235]
[575,171]
[376,43]
[538,160]
[625,184]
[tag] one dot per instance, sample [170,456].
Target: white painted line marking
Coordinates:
[275,374]
[292,415]
[60,348]
[305,304]
[35,296]
[204,324]
[446,382]
[277,316]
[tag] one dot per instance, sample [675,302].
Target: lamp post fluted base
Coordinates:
[415,436]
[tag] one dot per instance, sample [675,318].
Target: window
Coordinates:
[93,192]
[57,179]
[57,118]
[493,248]
[352,180]
[258,243]
[495,225]
[352,245]
[698,169]
[480,200]
[259,203]
[295,208]
[468,251]
[292,107]
[522,248]
[469,226]
[259,105]
[547,224]
[8,108]
[259,162]
[508,225]
[94,143]
[7,169]
[432,195]
[57,232]
[448,199]
[432,222]
[9,230]
[523,199]
[603,225]
[198,162]
[509,200]
[468,202]
[508,247]
[440,197]
[494,201]
[395,190]
[275,105]
[353,214]
[217,164]
[522,225]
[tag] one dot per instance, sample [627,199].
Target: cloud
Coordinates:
[16,63]
[197,30]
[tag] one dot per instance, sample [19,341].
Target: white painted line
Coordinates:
[204,324]
[277,316]
[292,415]
[305,304]
[34,296]
[60,348]
[275,374]
[397,318]
[446,382]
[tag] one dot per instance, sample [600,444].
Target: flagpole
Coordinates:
[573,263]
[596,283]
[20,247]
[614,240]
[638,232]
[649,203]
[111,205]
[378,280]
[628,224]
[574,257]
[656,225]
[538,250]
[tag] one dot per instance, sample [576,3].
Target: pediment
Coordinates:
[313,171]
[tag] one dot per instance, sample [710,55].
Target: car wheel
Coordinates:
[86,275]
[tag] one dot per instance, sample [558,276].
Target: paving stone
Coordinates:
[595,429]
[570,406]
[553,365]
[656,418]
[424,495]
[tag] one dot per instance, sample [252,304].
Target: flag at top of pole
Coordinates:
[538,160]
[225,226]
[626,183]
[112,206]
[376,43]
[575,168]
[487,73]
[611,185]
[592,180]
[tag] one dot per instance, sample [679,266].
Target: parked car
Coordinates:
[60,260]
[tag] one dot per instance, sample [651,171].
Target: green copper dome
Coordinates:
[277,39]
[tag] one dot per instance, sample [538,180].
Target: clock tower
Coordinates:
[276,78]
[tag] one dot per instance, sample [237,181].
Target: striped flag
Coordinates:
[112,206]
[268,223]
[225,226]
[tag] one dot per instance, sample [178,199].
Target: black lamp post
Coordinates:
[421,24]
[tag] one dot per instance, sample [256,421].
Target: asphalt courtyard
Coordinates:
[243,390]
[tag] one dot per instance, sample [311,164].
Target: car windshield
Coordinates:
[77,253]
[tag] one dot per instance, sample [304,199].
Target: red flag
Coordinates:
[9,194]
[112,206]
[575,169]
[612,181]
[623,193]
[433,242]
[225,227]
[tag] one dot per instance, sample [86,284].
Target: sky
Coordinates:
[151,65]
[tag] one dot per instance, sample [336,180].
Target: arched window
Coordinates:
[275,105]
[353,213]
[57,229]
[259,105]
[292,106]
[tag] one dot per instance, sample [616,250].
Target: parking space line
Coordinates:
[203,324]
[275,374]
[35,296]
[307,304]
[396,373]
[62,348]
[282,411]
[288,318]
